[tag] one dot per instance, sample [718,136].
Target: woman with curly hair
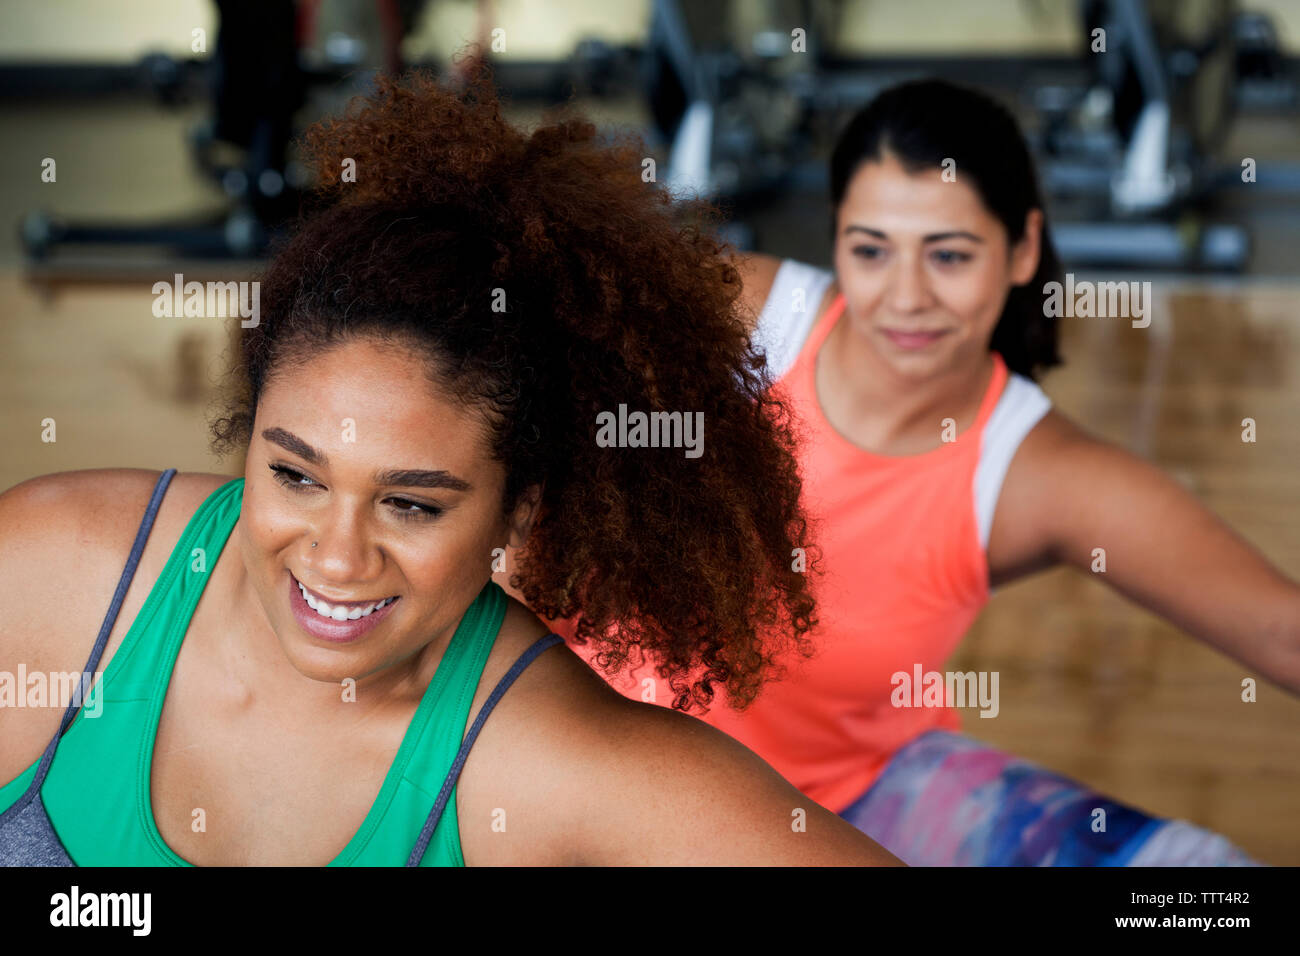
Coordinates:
[937,470]
[291,659]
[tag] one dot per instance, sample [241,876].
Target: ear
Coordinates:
[525,513]
[1025,253]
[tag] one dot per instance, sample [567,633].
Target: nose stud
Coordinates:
[313,544]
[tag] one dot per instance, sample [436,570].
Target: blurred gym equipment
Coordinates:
[1133,154]
[727,94]
[1128,154]
[261,71]
[743,98]
[257,86]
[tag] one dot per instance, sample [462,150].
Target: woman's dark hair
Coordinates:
[546,282]
[924,122]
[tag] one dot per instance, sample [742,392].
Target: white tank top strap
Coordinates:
[789,313]
[1020,407]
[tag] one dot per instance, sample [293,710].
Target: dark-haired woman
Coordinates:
[937,470]
[292,660]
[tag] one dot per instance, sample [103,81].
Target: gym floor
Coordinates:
[1090,685]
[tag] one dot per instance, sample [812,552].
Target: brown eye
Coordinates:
[291,478]
[413,509]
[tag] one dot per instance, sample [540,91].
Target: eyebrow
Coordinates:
[932,237]
[404,477]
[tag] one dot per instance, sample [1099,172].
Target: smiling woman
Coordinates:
[291,659]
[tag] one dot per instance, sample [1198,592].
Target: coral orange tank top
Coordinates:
[906,573]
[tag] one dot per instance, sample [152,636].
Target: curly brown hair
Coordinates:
[612,300]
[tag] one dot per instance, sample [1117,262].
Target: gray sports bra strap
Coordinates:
[87,672]
[115,607]
[526,658]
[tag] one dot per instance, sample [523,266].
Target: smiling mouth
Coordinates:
[913,340]
[341,610]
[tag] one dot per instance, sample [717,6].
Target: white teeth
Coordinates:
[340,613]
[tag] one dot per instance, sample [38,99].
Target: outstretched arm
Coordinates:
[1067,494]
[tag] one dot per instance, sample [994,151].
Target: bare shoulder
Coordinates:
[64,539]
[500,822]
[1079,482]
[576,774]
[757,273]
[1056,467]
[1060,451]
[97,505]
[73,519]
[1056,432]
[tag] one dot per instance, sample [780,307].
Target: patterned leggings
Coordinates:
[948,800]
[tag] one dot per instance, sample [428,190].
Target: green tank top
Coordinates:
[96,792]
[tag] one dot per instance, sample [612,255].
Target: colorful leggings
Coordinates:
[948,800]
